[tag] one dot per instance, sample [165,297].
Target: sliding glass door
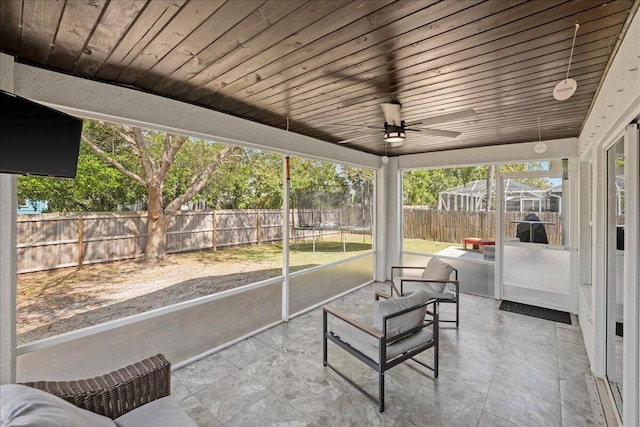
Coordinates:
[615,268]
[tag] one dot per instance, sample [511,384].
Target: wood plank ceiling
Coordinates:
[323,63]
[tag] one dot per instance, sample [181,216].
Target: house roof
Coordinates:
[478,188]
[325,67]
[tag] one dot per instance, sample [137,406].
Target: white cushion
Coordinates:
[410,287]
[163,412]
[404,322]
[22,406]
[368,345]
[436,269]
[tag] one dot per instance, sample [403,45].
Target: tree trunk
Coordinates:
[488,196]
[156,248]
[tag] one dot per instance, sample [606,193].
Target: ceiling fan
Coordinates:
[395,129]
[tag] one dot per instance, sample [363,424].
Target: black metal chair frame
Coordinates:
[383,342]
[453,282]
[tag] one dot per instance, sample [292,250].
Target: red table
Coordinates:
[477,243]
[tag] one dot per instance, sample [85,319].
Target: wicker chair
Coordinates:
[118,392]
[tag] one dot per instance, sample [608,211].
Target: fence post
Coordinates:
[214,232]
[258,226]
[80,240]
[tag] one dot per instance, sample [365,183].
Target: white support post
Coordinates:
[500,208]
[285,238]
[8,209]
[631,319]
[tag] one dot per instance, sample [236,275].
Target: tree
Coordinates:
[252,181]
[422,187]
[491,171]
[98,187]
[146,157]
[317,185]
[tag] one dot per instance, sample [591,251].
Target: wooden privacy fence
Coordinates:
[50,241]
[454,226]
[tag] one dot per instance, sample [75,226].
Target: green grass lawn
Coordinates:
[426,246]
[266,257]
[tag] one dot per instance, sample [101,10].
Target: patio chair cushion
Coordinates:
[22,405]
[436,269]
[404,322]
[163,412]
[409,287]
[368,345]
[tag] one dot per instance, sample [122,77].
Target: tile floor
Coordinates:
[497,369]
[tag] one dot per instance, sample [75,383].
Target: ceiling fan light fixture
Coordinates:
[394,135]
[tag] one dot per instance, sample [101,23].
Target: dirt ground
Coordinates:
[51,303]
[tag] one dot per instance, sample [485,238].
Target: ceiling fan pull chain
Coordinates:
[575,33]
[567,87]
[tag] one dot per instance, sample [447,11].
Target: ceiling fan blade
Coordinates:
[436,132]
[391,111]
[340,125]
[344,141]
[445,118]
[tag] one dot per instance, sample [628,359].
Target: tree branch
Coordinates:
[169,153]
[199,181]
[145,157]
[113,162]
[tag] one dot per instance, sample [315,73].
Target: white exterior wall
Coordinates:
[617,105]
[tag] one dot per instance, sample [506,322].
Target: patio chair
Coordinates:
[438,278]
[402,328]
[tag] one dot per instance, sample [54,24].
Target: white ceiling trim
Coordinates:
[618,101]
[522,152]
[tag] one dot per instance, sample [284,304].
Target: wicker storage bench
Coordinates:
[136,395]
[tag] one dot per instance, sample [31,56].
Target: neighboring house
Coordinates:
[519,197]
[30,207]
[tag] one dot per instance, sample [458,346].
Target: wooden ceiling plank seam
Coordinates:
[162,40]
[478,89]
[225,18]
[39,31]
[78,18]
[252,25]
[208,72]
[137,36]
[113,38]
[582,43]
[446,89]
[302,40]
[272,39]
[468,75]
[11,28]
[452,89]
[341,43]
[357,53]
[491,116]
[514,99]
[506,102]
[534,34]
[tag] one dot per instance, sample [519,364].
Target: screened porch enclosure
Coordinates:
[195,334]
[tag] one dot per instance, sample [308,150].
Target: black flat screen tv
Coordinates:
[36,139]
